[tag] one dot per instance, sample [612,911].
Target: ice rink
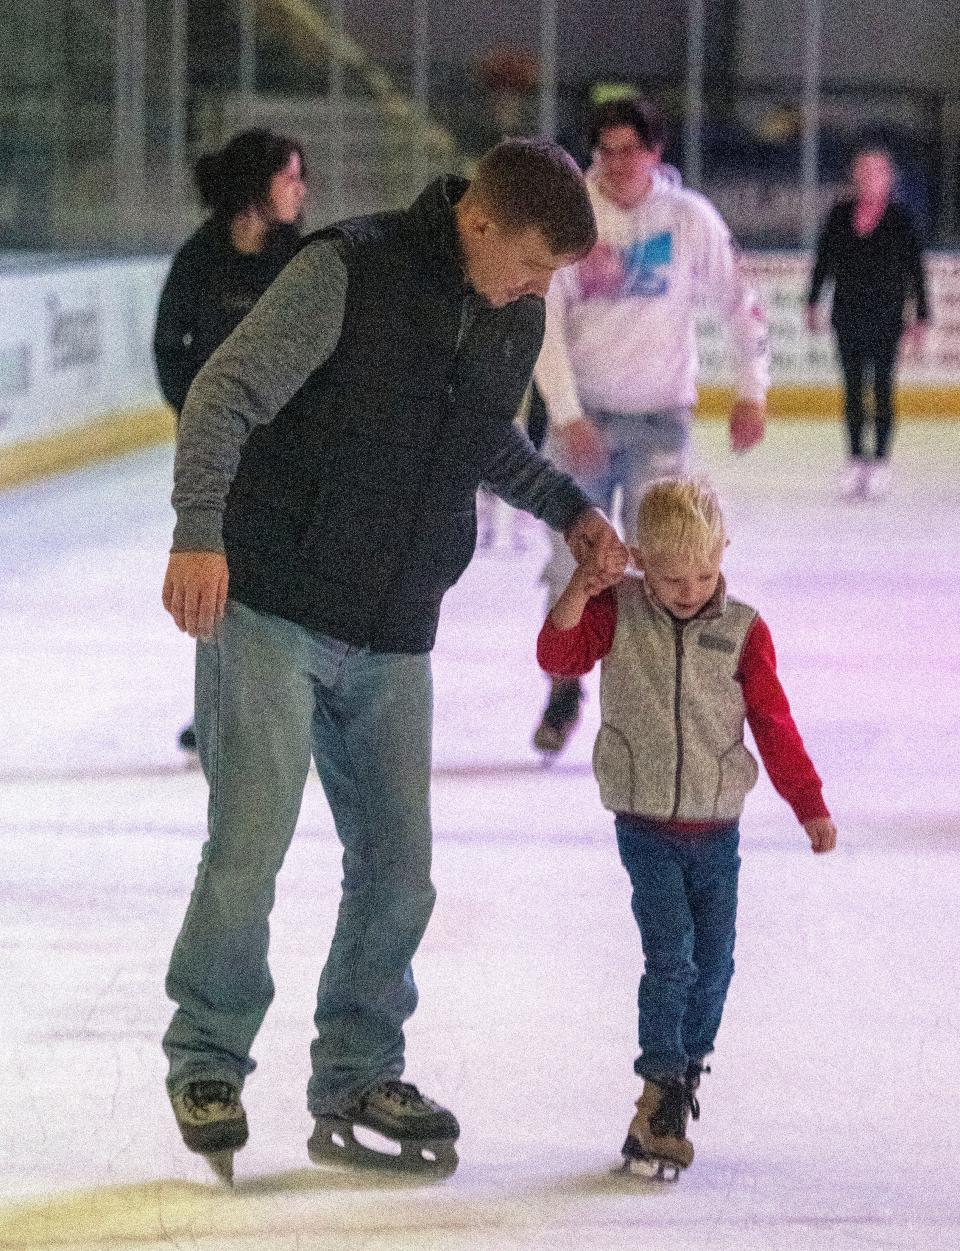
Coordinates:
[831,1118]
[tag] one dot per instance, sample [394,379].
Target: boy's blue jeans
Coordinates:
[685,903]
[268,693]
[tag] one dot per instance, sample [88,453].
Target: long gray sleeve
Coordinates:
[291,330]
[527,480]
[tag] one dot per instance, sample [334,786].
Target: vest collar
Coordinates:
[432,213]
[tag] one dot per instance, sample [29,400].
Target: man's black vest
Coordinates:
[354,510]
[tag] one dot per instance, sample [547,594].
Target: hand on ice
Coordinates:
[822,834]
[195,591]
[747,424]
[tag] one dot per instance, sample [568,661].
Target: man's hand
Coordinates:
[581,447]
[748,420]
[594,542]
[195,591]
[822,834]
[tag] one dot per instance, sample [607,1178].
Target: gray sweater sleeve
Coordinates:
[291,330]
[527,480]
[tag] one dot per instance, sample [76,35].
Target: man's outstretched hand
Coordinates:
[593,541]
[195,591]
[748,421]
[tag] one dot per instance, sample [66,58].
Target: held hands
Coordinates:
[195,591]
[747,423]
[822,834]
[594,542]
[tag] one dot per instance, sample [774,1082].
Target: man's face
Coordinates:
[682,584]
[504,265]
[625,166]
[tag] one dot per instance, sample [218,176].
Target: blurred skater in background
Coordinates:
[619,363]
[254,187]
[871,251]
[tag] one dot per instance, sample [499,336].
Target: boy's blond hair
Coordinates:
[680,517]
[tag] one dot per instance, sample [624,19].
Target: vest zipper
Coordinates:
[678,726]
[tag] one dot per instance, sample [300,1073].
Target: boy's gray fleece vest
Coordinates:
[671,745]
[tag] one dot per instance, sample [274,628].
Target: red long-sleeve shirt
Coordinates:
[571,653]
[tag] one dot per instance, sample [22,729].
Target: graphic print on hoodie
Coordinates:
[640,270]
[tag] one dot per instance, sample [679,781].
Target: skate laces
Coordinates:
[200,1095]
[403,1093]
[670,1118]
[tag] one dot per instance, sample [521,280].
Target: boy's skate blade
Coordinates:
[640,1163]
[334,1142]
[650,1170]
[222,1164]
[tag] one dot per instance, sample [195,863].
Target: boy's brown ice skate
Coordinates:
[657,1145]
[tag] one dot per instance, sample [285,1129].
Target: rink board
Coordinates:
[77,381]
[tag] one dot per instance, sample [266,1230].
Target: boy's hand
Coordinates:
[589,580]
[822,834]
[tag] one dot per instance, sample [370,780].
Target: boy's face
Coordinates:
[682,584]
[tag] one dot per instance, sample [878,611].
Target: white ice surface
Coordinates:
[831,1117]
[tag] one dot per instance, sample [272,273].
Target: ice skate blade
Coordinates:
[650,1169]
[222,1164]
[334,1143]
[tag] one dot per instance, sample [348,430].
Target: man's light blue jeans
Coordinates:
[685,903]
[269,693]
[642,446]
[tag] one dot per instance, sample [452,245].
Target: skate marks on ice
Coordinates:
[182,1213]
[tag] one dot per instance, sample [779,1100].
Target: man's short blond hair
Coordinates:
[680,517]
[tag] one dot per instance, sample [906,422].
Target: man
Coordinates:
[328,457]
[619,362]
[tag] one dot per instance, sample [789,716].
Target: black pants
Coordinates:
[858,358]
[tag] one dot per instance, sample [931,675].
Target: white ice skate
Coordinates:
[853,480]
[419,1134]
[878,481]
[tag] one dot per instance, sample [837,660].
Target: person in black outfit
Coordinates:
[254,187]
[870,249]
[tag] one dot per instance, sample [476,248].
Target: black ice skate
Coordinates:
[657,1146]
[560,716]
[395,1110]
[213,1123]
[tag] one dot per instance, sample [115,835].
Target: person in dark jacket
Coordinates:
[870,249]
[327,465]
[254,187]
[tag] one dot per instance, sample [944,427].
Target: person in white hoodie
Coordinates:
[618,368]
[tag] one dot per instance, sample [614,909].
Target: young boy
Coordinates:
[683,668]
